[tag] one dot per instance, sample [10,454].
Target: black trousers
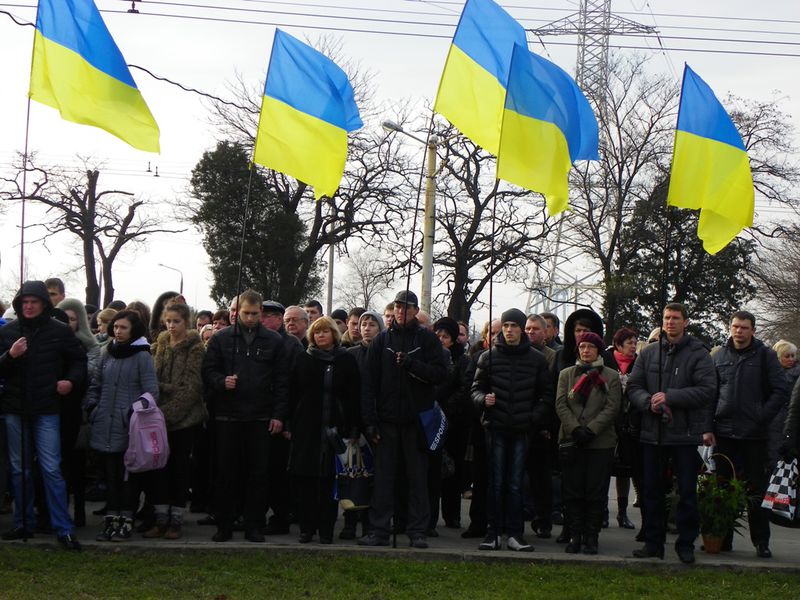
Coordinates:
[279,487]
[584,487]
[172,486]
[750,459]
[400,444]
[317,506]
[685,462]
[242,459]
[540,478]
[478,507]
[454,486]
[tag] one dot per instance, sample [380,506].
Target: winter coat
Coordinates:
[53,354]
[262,367]
[689,379]
[398,393]
[453,394]
[118,383]
[522,384]
[599,410]
[324,392]
[779,420]
[568,353]
[792,428]
[752,389]
[180,381]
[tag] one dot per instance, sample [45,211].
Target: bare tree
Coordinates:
[105,222]
[470,249]
[777,275]
[636,130]
[368,278]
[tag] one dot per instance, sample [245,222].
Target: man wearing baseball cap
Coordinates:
[405,363]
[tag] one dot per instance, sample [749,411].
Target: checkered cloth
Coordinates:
[781,496]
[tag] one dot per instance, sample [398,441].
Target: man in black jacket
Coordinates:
[672,385]
[41,361]
[279,485]
[752,389]
[404,364]
[246,371]
[514,388]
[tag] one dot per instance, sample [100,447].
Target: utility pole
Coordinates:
[594,24]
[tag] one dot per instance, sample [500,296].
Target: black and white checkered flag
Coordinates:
[781,496]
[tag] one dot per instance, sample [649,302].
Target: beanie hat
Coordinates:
[449,325]
[591,338]
[371,314]
[514,315]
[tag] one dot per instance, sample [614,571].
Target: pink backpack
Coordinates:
[148,448]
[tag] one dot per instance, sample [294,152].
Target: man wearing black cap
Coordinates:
[279,488]
[404,363]
[514,388]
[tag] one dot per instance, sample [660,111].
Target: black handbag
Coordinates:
[567,451]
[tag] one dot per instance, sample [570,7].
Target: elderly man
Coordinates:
[296,321]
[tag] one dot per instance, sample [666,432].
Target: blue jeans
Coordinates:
[507,454]
[43,433]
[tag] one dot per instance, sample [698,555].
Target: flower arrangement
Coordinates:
[721,502]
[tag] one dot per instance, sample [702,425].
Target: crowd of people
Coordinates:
[261,400]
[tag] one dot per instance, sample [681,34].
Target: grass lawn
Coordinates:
[38,572]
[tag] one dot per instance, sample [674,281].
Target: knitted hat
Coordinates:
[591,338]
[371,314]
[515,315]
[449,325]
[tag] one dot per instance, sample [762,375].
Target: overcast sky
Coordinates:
[204,47]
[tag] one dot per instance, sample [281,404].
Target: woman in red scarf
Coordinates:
[625,465]
[587,402]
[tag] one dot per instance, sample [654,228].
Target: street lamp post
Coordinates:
[429,218]
[176,270]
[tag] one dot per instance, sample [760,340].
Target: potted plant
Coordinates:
[721,502]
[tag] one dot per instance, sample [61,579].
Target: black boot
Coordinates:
[590,543]
[574,545]
[622,514]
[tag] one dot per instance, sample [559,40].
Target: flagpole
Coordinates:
[241,264]
[24,194]
[491,274]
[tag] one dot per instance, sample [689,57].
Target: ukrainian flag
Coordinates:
[78,70]
[307,110]
[710,167]
[547,125]
[473,85]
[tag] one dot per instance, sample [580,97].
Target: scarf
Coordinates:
[127,349]
[624,361]
[590,378]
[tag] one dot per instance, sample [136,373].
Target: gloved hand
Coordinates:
[403,359]
[582,435]
[788,448]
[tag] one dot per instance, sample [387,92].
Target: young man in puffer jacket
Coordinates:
[514,388]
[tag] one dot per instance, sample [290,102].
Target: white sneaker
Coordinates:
[490,542]
[518,544]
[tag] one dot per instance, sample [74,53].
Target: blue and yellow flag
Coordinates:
[307,110]
[547,125]
[710,167]
[78,70]
[473,85]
